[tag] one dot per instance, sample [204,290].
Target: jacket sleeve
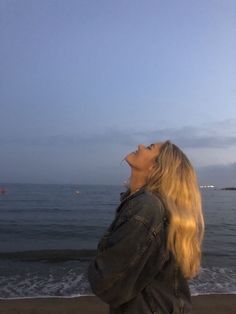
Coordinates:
[118,273]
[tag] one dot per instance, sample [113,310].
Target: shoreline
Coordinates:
[45,297]
[216,303]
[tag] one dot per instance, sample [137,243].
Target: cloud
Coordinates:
[193,137]
[220,134]
[107,137]
[190,141]
[218,175]
[83,156]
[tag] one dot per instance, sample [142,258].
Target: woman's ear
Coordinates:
[151,168]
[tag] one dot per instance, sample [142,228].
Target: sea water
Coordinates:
[49,233]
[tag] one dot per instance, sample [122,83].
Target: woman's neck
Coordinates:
[137,180]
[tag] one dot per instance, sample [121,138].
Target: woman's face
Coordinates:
[144,157]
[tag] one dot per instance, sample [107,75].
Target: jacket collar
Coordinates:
[124,196]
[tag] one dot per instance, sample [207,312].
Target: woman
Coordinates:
[153,246]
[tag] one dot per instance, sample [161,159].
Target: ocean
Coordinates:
[49,233]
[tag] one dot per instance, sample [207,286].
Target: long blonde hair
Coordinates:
[174,179]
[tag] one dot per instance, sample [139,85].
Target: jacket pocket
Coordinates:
[181,306]
[119,222]
[183,309]
[102,244]
[104,241]
[148,299]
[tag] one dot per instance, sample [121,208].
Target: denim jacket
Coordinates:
[133,271]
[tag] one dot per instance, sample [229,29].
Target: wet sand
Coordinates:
[203,304]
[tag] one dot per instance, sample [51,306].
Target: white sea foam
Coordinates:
[215,280]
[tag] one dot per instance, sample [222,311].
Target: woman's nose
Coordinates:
[140,146]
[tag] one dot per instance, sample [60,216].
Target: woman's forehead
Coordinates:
[158,144]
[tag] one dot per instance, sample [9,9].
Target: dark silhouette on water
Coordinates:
[2,191]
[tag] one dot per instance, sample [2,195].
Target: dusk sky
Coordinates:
[84,82]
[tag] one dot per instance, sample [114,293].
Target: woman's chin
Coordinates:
[129,159]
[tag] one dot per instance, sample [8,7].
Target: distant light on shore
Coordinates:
[206,186]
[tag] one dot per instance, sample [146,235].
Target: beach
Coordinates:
[202,304]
